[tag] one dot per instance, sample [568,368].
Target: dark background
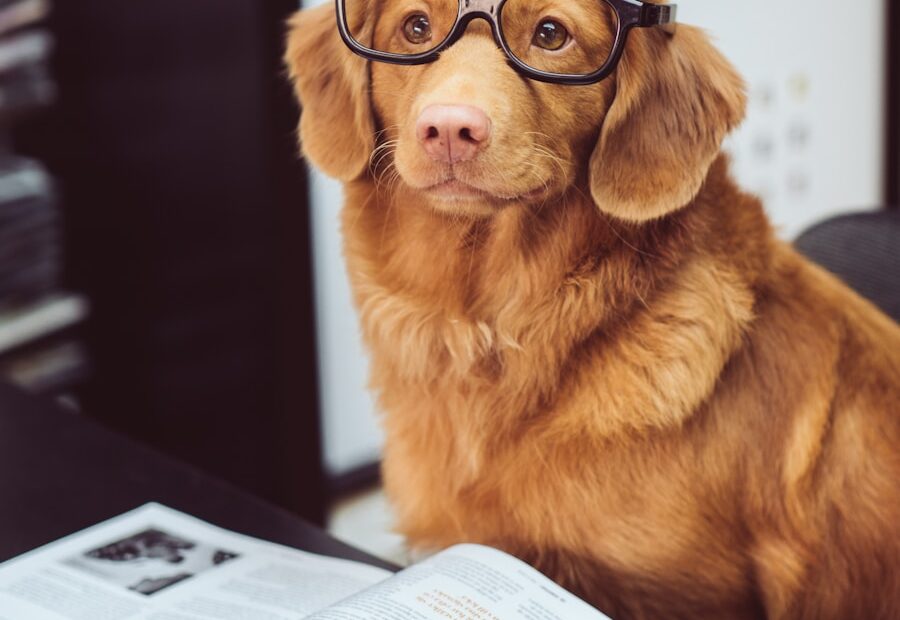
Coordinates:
[892,191]
[186,225]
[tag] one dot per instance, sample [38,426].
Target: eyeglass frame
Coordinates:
[630,13]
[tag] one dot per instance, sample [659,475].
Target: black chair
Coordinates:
[863,250]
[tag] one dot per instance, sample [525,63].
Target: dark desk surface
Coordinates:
[60,473]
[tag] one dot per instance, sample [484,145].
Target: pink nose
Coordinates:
[453,133]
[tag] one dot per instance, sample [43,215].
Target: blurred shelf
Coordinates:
[16,14]
[55,368]
[26,326]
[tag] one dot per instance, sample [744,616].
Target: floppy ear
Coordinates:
[676,100]
[336,126]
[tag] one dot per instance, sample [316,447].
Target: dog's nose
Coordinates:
[453,133]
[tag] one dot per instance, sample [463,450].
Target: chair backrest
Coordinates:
[863,250]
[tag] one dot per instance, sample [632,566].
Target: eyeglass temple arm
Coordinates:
[660,15]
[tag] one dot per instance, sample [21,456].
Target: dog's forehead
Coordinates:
[488,6]
[479,6]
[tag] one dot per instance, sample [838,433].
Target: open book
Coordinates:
[155,563]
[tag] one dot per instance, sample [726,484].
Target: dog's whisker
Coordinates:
[368,201]
[395,179]
[383,151]
[544,153]
[391,199]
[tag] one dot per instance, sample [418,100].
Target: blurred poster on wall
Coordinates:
[813,142]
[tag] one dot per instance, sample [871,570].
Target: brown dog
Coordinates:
[589,348]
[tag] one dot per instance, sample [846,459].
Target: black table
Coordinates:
[60,473]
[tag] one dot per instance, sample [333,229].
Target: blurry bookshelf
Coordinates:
[186,228]
[40,348]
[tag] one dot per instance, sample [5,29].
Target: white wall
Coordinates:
[351,436]
[813,141]
[811,146]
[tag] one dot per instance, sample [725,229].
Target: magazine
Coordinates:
[155,563]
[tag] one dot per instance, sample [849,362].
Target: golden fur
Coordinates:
[609,366]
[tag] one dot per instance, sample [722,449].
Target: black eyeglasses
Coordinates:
[566,45]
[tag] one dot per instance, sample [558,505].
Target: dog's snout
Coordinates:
[453,133]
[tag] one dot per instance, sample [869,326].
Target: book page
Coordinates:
[159,564]
[466,582]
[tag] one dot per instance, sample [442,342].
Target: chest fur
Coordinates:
[504,396]
[472,428]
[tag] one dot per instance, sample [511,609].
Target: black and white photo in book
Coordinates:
[150,561]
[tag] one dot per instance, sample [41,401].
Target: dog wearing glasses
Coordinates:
[589,348]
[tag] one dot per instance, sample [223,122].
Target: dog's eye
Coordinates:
[417,29]
[550,35]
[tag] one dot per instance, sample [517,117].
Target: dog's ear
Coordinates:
[336,126]
[676,99]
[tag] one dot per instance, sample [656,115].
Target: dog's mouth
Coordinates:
[455,190]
